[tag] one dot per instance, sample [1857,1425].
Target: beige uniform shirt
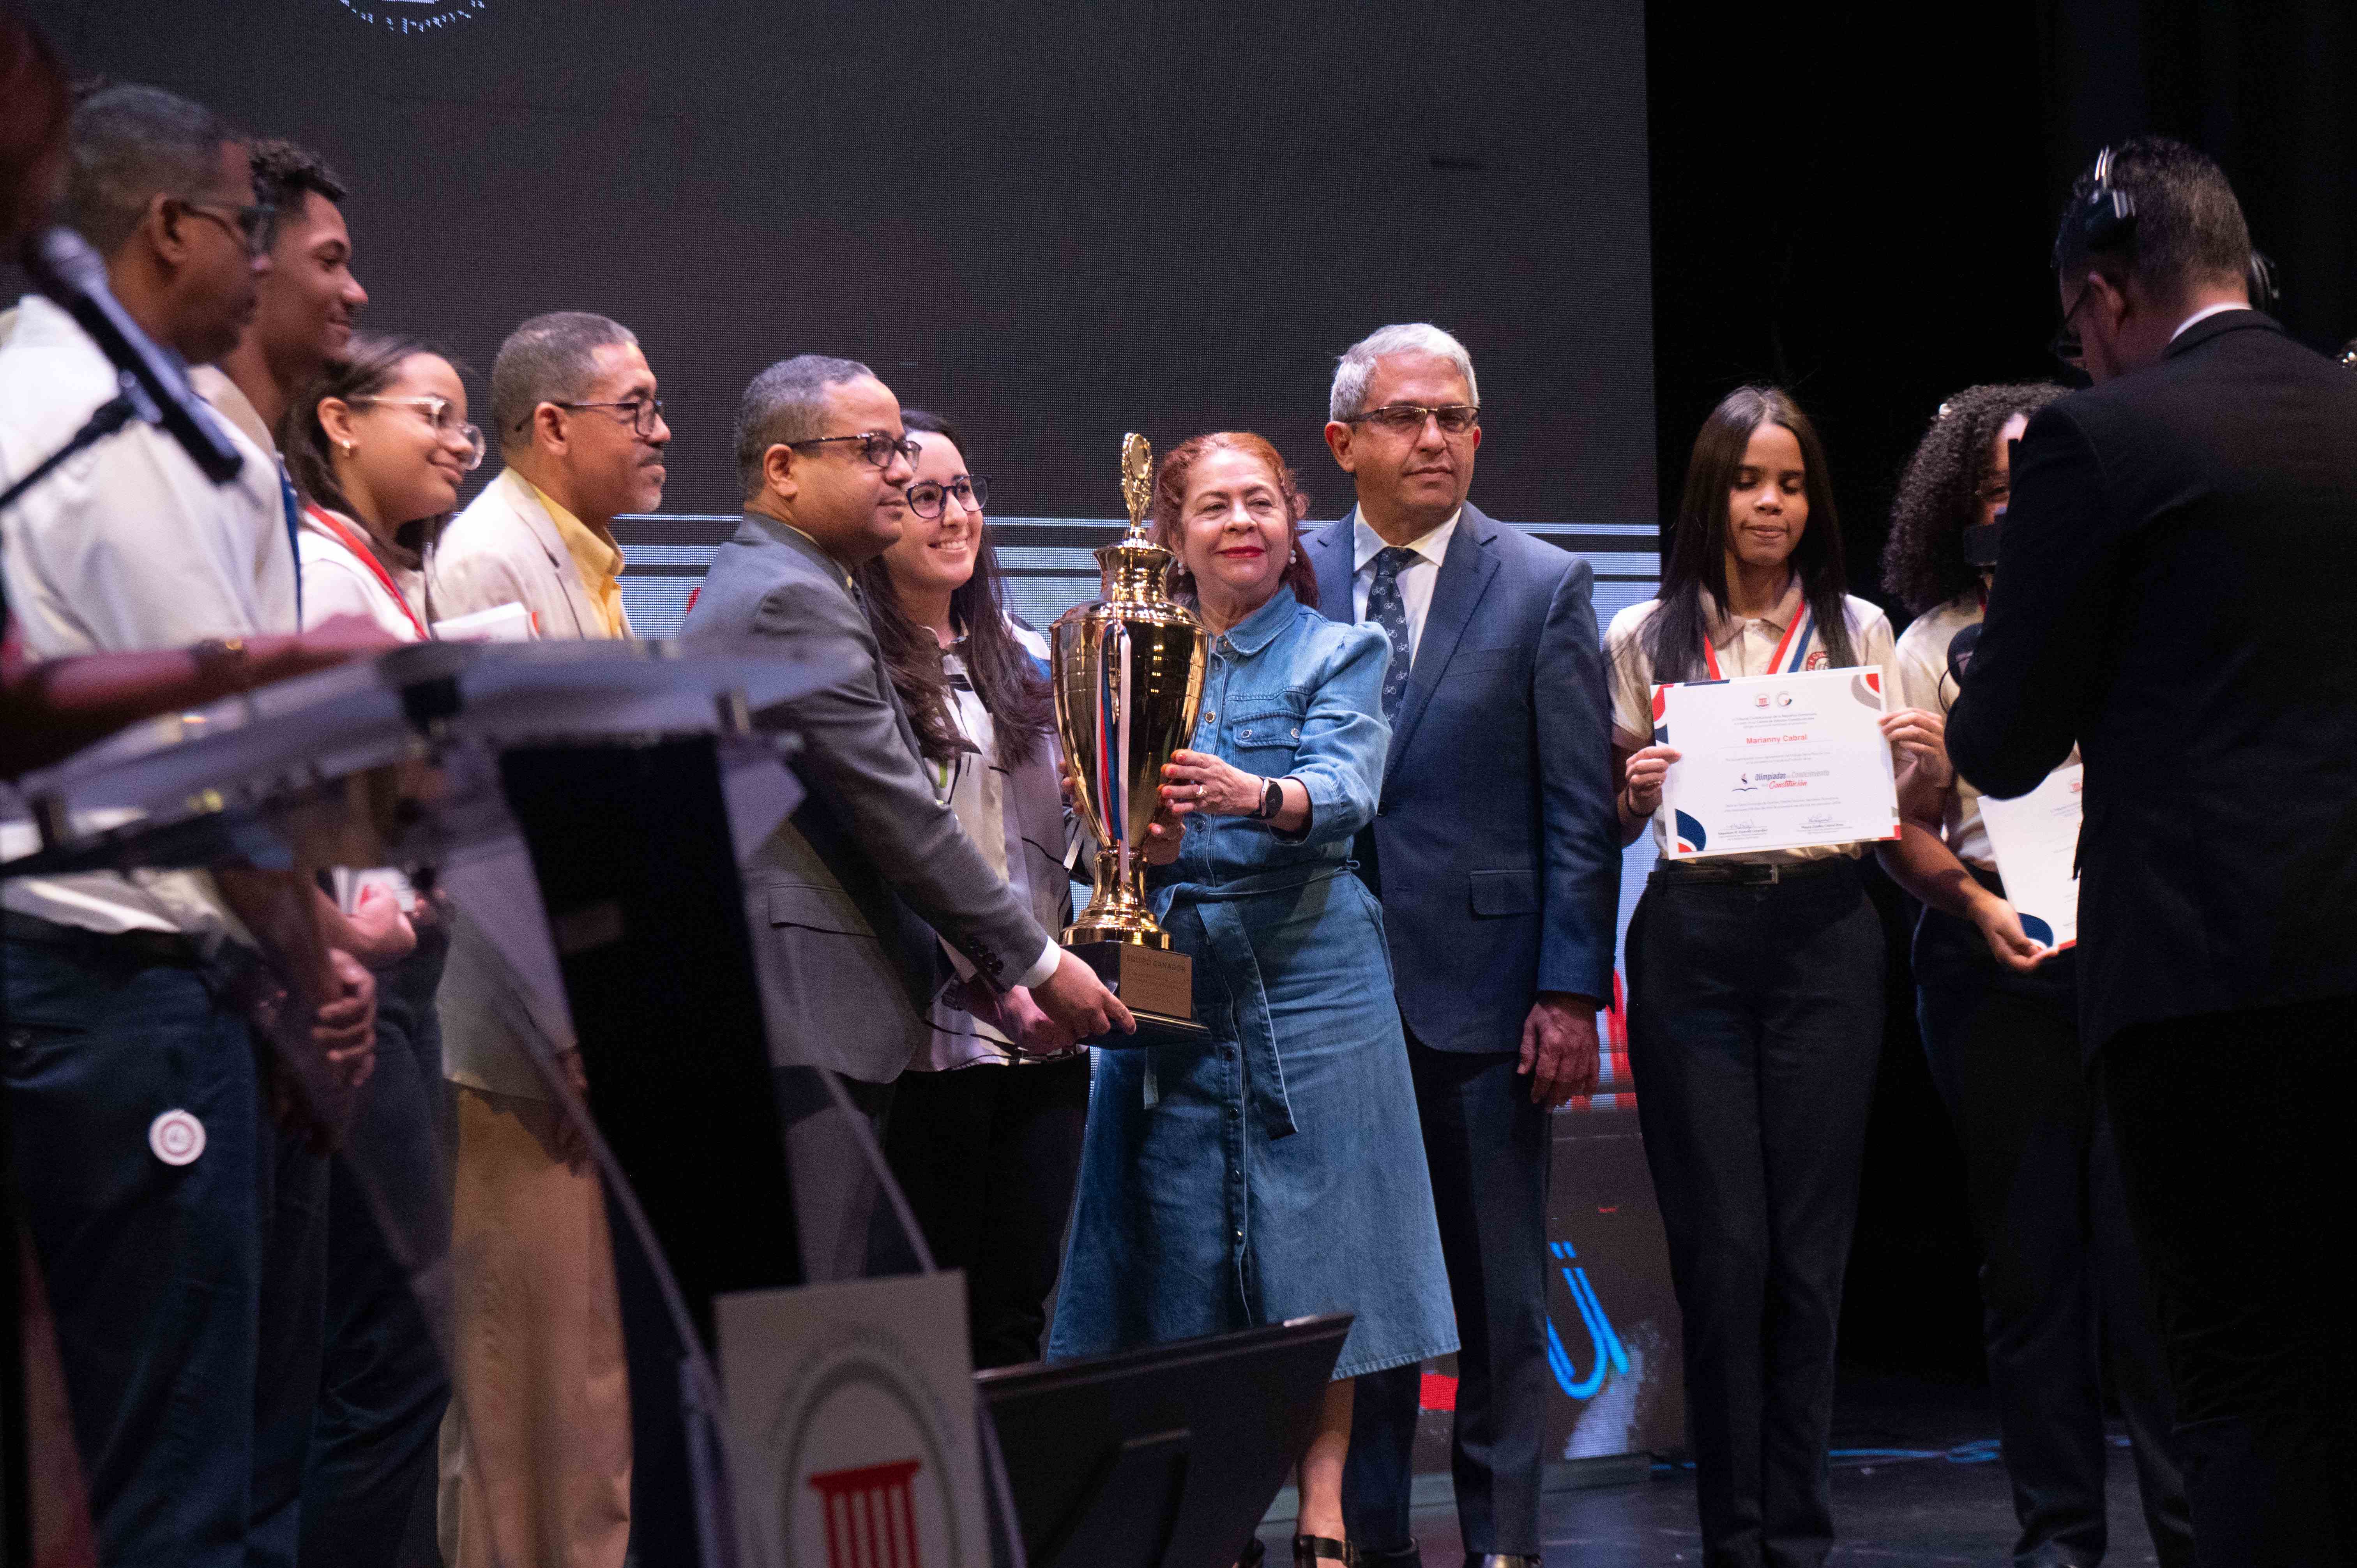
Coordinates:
[1743,647]
[1924,682]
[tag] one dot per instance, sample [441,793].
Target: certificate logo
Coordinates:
[412,19]
[1783,699]
[1760,701]
[1743,784]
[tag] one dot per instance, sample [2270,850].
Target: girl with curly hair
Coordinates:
[1999,1014]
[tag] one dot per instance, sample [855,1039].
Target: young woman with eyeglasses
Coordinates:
[2060,1280]
[377,449]
[1755,988]
[985,1142]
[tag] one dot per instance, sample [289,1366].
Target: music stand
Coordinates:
[1164,1458]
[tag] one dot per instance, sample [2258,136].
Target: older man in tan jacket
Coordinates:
[536,1449]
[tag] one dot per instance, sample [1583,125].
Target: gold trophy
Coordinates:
[1129,673]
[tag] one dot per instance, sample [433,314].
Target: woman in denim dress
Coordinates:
[1278,1170]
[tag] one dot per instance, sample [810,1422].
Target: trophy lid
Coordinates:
[1136,570]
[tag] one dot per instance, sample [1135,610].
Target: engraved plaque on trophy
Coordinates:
[1128,674]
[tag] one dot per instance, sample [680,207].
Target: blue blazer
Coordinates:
[1495,838]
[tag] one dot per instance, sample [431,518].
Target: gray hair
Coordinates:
[1357,366]
[549,358]
[129,145]
[786,403]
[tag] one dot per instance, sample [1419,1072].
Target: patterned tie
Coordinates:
[1385,608]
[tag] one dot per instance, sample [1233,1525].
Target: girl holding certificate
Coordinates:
[1755,989]
[2000,1019]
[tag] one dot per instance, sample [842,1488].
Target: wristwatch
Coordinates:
[1272,802]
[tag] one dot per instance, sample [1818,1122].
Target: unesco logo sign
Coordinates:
[410,19]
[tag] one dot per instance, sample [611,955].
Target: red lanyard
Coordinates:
[1710,655]
[359,546]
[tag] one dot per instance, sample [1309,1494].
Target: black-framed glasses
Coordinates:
[255,223]
[930,497]
[643,413]
[876,445]
[1407,418]
[2065,345]
[443,416]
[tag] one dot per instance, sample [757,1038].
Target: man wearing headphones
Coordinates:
[2171,592]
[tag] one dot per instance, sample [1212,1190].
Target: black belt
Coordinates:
[155,947]
[1750,873]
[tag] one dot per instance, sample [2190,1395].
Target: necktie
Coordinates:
[1386,609]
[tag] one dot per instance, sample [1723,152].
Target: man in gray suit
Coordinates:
[846,897]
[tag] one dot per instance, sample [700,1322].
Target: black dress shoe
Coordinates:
[1309,1551]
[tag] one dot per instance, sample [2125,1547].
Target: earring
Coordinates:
[347,448]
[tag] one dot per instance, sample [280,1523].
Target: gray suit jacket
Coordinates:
[843,899]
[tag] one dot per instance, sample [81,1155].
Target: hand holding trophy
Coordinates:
[1129,676]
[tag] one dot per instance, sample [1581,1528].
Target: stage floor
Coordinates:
[1916,1481]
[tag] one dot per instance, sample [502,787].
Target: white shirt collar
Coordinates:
[2205,313]
[1433,546]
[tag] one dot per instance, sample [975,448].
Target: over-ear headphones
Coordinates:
[2107,218]
[2267,294]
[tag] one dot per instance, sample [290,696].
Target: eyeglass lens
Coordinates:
[1454,418]
[930,497]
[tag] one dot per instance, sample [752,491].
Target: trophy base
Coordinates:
[1156,986]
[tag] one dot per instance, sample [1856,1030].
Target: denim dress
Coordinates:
[1278,1170]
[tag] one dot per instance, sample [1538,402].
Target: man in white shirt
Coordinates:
[158,1191]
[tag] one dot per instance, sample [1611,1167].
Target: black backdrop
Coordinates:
[1052,222]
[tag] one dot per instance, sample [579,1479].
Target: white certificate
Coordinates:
[1776,762]
[2036,837]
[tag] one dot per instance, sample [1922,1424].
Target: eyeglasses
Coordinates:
[874,445]
[642,413]
[930,497]
[2065,345]
[443,416]
[1407,418]
[254,224]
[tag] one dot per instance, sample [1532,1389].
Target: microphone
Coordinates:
[63,267]
[1960,651]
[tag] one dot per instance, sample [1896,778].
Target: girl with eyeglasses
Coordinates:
[377,452]
[985,1142]
[2061,1282]
[377,449]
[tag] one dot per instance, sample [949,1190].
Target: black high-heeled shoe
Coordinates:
[1309,1551]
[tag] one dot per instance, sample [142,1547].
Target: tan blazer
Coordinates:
[504,550]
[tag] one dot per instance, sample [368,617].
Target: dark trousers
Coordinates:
[2234,1136]
[1755,1023]
[186,1297]
[987,1157]
[2062,1288]
[369,1497]
[1487,1147]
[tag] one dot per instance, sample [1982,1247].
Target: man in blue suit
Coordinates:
[1497,856]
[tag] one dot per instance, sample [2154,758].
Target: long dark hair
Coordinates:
[1698,544]
[1170,500]
[1939,494]
[1009,685]
[369,365]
